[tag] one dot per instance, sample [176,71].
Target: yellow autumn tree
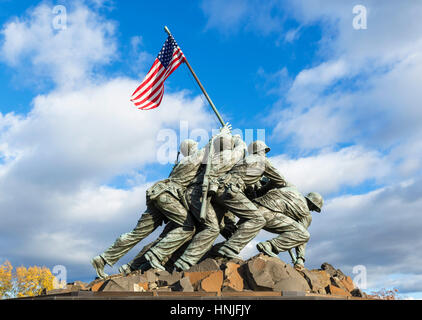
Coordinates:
[31,281]
[24,281]
[6,282]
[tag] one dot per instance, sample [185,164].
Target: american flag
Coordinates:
[150,93]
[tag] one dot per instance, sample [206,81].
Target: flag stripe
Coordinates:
[157,81]
[174,68]
[149,75]
[155,102]
[150,92]
[158,69]
[150,98]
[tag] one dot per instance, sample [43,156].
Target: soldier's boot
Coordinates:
[144,266]
[125,269]
[99,263]
[226,252]
[153,261]
[299,264]
[267,248]
[181,265]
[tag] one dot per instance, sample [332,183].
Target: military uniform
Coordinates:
[163,204]
[227,227]
[221,163]
[286,213]
[231,196]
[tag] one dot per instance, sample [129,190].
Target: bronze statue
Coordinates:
[163,205]
[287,213]
[231,195]
[203,191]
[229,151]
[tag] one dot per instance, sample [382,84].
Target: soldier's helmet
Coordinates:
[188,147]
[316,199]
[258,146]
[223,142]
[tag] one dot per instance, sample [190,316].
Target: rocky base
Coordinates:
[258,274]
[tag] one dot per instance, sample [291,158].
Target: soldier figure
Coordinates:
[232,191]
[233,177]
[228,151]
[287,213]
[163,205]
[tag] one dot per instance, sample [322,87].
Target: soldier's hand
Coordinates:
[226,129]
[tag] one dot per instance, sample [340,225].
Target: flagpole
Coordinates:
[200,85]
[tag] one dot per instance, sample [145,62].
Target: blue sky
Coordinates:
[340,108]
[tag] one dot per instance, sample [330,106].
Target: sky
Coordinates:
[338,97]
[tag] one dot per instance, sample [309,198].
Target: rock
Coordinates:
[206,265]
[329,269]
[71,287]
[112,285]
[337,291]
[186,285]
[335,281]
[357,293]
[138,288]
[323,280]
[162,273]
[56,291]
[348,284]
[317,281]
[233,281]
[169,279]
[271,274]
[150,276]
[97,286]
[340,274]
[196,277]
[122,283]
[213,282]
[237,261]
[141,286]
[79,285]
[332,271]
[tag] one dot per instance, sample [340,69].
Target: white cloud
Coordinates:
[57,160]
[364,91]
[67,56]
[378,230]
[330,171]
[68,147]
[93,133]
[380,75]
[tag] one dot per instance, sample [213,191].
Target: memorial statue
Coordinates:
[163,205]
[234,181]
[228,152]
[287,213]
[231,195]
[205,189]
